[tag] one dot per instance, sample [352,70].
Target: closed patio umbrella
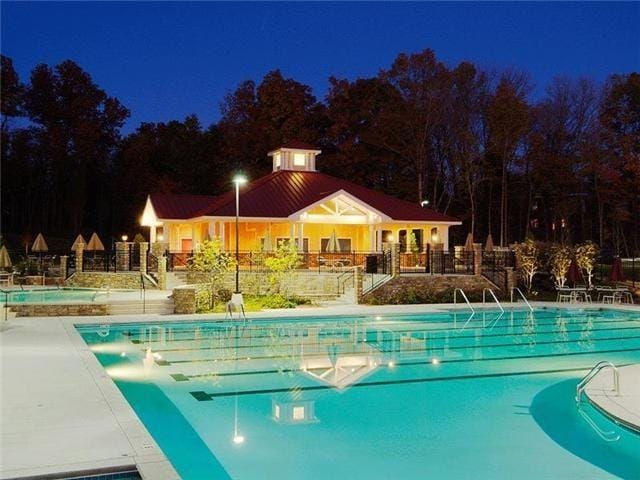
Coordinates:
[79,239]
[617,272]
[39,245]
[488,246]
[468,245]
[573,274]
[333,246]
[5,259]
[94,243]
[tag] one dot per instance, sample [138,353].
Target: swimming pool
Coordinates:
[441,395]
[48,295]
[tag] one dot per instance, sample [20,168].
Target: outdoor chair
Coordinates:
[6,279]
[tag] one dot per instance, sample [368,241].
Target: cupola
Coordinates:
[295,155]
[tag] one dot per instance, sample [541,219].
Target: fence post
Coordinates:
[510,279]
[122,257]
[79,259]
[357,283]
[477,259]
[395,259]
[144,247]
[162,272]
[64,269]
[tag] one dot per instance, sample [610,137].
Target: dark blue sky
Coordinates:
[166,60]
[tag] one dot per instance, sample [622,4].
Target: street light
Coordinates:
[238,180]
[424,203]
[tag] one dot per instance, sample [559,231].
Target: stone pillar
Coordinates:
[357,283]
[79,254]
[122,257]
[162,272]
[477,259]
[395,259]
[144,248]
[511,281]
[184,300]
[64,269]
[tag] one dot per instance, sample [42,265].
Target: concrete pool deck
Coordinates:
[60,411]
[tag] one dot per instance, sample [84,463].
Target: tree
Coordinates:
[560,260]
[507,121]
[527,255]
[586,257]
[212,260]
[284,261]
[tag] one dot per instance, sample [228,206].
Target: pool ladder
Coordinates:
[592,373]
[495,299]
[464,295]
[516,289]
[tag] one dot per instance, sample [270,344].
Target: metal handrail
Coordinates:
[455,298]
[523,297]
[592,373]
[610,436]
[484,291]
[143,294]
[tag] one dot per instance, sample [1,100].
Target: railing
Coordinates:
[152,263]
[592,373]
[437,262]
[610,436]
[343,279]
[143,294]
[484,291]
[464,295]
[523,297]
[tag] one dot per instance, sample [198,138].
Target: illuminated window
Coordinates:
[299,159]
[276,157]
[434,235]
[298,413]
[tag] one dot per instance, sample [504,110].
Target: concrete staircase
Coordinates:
[176,279]
[158,306]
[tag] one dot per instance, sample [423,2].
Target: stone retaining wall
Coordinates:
[53,310]
[184,299]
[426,289]
[106,280]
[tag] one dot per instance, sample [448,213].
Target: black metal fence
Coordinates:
[436,262]
[372,262]
[494,264]
[630,270]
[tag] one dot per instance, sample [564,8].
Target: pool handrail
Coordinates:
[592,373]
[484,291]
[523,297]
[610,436]
[455,298]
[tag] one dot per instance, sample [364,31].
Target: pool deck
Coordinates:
[60,411]
[624,406]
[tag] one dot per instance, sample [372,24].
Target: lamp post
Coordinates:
[238,180]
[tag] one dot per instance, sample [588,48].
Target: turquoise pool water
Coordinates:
[49,295]
[425,396]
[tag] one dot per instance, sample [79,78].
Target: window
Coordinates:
[418,236]
[402,240]
[435,238]
[387,236]
[285,241]
[343,243]
[276,157]
[299,159]
[298,413]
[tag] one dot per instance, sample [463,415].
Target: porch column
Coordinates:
[166,232]
[300,237]
[152,234]
[193,236]
[379,239]
[372,238]
[292,230]
[211,230]
[444,237]
[222,236]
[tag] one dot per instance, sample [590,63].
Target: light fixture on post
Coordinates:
[236,299]
[125,238]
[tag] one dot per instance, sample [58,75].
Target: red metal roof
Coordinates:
[179,206]
[285,192]
[299,145]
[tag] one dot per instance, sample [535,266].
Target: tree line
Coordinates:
[472,142]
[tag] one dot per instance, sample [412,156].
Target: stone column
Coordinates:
[477,259]
[64,269]
[162,272]
[79,254]
[144,248]
[395,259]
[122,257]
[357,283]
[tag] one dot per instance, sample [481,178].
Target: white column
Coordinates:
[443,231]
[372,238]
[193,236]
[292,230]
[211,230]
[152,234]
[166,232]
[222,236]
[378,239]
[300,236]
